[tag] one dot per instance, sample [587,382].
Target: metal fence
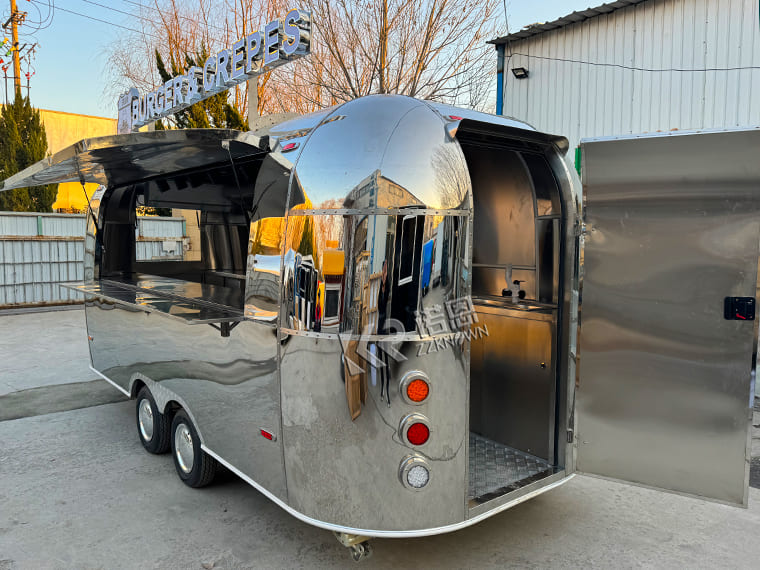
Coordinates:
[160,238]
[40,251]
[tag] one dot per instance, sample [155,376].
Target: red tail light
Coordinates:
[418,434]
[414,429]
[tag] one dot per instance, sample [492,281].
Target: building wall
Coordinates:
[38,252]
[63,130]
[579,100]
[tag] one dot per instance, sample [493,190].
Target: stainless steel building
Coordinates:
[635,66]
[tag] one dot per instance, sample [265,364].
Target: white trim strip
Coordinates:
[384,533]
[359,531]
[111,382]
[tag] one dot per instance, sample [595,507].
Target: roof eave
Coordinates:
[573,18]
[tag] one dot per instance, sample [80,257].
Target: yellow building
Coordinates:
[64,129]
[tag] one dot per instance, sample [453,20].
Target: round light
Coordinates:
[415,387]
[414,472]
[418,477]
[417,390]
[418,433]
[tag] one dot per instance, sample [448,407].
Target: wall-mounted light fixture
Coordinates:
[520,72]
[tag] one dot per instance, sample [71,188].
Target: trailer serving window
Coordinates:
[184,239]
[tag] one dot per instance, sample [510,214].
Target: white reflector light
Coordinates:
[414,472]
[418,477]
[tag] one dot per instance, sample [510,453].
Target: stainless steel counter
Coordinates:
[526,309]
[192,303]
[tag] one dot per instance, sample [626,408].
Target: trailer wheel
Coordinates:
[194,466]
[153,427]
[361,551]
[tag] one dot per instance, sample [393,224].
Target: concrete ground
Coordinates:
[78,491]
[63,360]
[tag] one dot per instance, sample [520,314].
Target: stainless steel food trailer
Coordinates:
[299,340]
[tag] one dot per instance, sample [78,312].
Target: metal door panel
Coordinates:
[665,388]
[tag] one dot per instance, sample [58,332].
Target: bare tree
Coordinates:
[431,49]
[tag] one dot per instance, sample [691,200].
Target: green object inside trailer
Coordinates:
[578,159]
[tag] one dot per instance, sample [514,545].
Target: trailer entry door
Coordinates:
[665,387]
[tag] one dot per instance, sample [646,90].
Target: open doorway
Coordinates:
[516,291]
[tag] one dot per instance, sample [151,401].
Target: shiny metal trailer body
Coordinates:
[291,339]
[379,176]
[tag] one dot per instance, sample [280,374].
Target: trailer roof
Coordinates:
[119,160]
[573,18]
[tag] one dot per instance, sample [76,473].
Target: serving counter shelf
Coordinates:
[187,301]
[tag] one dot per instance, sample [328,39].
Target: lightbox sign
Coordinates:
[281,41]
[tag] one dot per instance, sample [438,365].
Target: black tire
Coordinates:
[160,439]
[204,467]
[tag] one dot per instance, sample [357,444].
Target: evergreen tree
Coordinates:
[214,112]
[22,143]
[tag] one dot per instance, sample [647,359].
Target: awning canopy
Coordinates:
[120,160]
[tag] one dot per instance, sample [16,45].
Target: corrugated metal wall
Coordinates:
[39,251]
[580,100]
[160,238]
[31,271]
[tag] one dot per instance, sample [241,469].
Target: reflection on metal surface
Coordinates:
[223,382]
[365,453]
[357,274]
[262,289]
[362,171]
[183,309]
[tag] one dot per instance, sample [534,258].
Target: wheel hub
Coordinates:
[183,444]
[145,414]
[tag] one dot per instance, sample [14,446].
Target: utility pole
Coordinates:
[14,47]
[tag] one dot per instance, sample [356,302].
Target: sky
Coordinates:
[71,59]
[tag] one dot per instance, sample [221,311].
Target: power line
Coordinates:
[187,18]
[621,66]
[103,21]
[139,17]
[130,14]
[45,22]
